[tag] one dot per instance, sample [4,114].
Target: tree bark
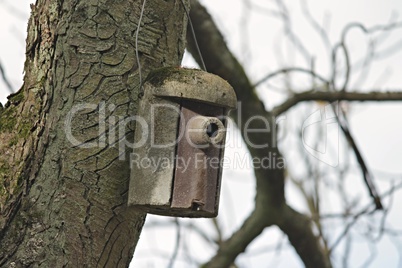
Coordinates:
[62,204]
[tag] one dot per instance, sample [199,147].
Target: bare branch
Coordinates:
[367,176]
[188,226]
[336,96]
[371,54]
[366,210]
[347,250]
[354,219]
[295,225]
[218,230]
[177,246]
[344,124]
[289,31]
[238,242]
[388,193]
[263,10]
[376,28]
[316,26]
[16,12]
[5,79]
[270,205]
[342,46]
[289,70]
[371,257]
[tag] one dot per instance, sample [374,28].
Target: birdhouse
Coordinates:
[179,141]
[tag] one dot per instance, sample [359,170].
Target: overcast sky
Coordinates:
[258,42]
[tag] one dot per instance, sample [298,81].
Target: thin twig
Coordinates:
[5,79]
[289,70]
[374,95]
[367,176]
[177,246]
[188,226]
[347,63]
[15,12]
[219,237]
[376,28]
[289,31]
[367,210]
[316,26]
[371,257]
[391,191]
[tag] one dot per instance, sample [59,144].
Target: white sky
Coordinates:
[262,49]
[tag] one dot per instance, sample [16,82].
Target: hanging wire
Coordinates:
[195,38]
[136,43]
[192,32]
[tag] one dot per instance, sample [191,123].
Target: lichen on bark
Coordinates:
[63,205]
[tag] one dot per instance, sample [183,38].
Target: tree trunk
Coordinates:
[64,159]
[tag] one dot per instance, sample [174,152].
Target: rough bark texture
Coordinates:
[270,204]
[65,205]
